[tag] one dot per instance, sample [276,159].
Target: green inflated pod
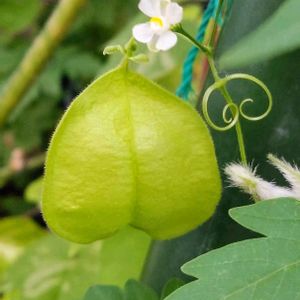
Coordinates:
[129,152]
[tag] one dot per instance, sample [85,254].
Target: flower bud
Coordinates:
[113,49]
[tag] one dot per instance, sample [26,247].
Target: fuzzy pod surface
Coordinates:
[129,152]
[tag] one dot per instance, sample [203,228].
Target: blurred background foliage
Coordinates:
[35,264]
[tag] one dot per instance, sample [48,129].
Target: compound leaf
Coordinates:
[264,268]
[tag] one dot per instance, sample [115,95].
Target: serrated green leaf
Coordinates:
[278,35]
[53,268]
[271,218]
[263,268]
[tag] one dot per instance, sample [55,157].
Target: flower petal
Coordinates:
[143,32]
[166,41]
[150,8]
[163,6]
[174,13]
[152,44]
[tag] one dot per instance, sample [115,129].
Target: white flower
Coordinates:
[157,32]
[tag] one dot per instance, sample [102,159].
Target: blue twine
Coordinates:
[187,73]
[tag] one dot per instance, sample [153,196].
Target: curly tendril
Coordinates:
[232,108]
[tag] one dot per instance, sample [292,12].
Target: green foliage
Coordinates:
[33,192]
[263,268]
[15,234]
[74,64]
[41,115]
[16,15]
[9,59]
[53,268]
[278,35]
[100,13]
[123,256]
[104,293]
[133,290]
[14,205]
[172,285]
[278,218]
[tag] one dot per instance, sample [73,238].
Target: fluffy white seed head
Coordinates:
[290,172]
[245,178]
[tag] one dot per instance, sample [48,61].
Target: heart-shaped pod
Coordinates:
[129,152]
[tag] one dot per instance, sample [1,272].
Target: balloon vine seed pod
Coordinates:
[129,152]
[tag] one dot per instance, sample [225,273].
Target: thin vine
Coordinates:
[220,84]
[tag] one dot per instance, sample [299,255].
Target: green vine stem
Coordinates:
[231,105]
[179,29]
[237,110]
[220,84]
[38,55]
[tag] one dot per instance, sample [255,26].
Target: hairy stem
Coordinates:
[38,55]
